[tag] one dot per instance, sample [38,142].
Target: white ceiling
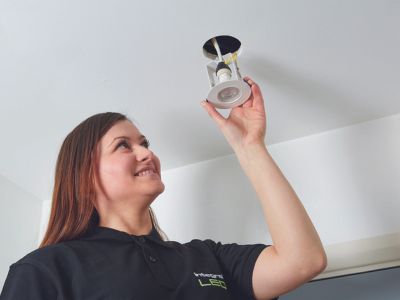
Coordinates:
[320,64]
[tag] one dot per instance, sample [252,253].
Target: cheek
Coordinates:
[116,169]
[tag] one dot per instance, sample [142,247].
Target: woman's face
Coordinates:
[122,152]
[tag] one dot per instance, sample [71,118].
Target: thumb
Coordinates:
[218,118]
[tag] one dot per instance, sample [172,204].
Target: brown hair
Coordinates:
[72,209]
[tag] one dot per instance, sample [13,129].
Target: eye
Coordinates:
[123,142]
[146,143]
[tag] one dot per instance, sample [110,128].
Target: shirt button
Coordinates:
[152,259]
[142,239]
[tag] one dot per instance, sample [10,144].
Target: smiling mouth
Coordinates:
[148,173]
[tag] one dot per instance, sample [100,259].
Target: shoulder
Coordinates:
[40,254]
[199,244]
[31,277]
[217,246]
[227,251]
[33,266]
[45,257]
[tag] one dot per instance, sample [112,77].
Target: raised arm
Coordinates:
[297,254]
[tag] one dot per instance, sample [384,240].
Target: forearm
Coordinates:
[293,234]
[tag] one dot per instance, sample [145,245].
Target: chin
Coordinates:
[160,188]
[163,188]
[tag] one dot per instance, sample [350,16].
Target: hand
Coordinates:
[246,124]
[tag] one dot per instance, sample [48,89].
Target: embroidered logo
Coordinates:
[205,280]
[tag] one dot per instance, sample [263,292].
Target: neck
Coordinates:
[132,221]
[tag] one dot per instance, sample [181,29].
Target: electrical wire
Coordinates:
[214,41]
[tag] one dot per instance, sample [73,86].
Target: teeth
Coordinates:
[145,172]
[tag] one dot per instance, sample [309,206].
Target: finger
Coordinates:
[257,96]
[256,92]
[249,81]
[246,78]
[214,114]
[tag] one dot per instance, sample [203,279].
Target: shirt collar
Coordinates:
[105,233]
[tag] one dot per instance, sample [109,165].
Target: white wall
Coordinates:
[20,214]
[347,179]
[377,285]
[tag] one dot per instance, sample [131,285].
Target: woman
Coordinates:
[103,240]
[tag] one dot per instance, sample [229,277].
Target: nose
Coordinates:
[142,153]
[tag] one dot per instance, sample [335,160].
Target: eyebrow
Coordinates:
[141,137]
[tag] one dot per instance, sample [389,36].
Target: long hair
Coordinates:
[72,210]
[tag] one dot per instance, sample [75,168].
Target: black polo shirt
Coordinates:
[109,264]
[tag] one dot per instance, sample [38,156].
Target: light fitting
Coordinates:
[227,88]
